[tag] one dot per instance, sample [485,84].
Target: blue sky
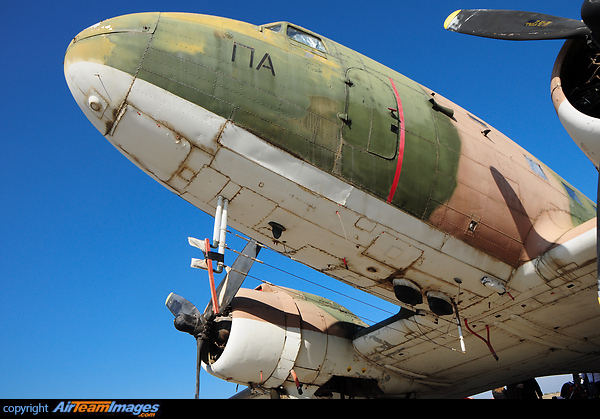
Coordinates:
[90,246]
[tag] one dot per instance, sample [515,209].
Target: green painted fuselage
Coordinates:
[332,109]
[353,118]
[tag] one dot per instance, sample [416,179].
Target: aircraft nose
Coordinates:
[101,62]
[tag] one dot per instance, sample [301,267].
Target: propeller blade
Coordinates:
[514,25]
[179,305]
[234,278]
[188,318]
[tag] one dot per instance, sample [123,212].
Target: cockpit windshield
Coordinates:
[274,28]
[305,38]
[301,36]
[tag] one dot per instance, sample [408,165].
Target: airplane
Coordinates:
[318,152]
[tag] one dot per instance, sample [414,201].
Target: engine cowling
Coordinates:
[284,339]
[576,95]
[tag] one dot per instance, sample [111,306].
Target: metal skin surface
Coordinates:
[373,176]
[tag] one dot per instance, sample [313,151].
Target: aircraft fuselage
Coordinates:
[373,176]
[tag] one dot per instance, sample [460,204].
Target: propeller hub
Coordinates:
[189,324]
[590,14]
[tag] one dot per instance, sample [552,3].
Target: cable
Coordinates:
[308,281]
[424,336]
[487,341]
[419,326]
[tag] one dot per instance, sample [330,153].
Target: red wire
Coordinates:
[487,341]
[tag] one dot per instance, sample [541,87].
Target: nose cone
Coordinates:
[101,63]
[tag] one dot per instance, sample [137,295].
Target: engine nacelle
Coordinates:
[576,95]
[281,338]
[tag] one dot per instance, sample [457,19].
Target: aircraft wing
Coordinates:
[541,321]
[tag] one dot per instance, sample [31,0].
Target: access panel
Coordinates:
[371,123]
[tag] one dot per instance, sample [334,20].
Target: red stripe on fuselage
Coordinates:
[401,144]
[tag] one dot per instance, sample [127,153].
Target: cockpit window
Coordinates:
[305,38]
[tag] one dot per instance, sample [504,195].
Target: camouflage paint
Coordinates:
[292,96]
[338,111]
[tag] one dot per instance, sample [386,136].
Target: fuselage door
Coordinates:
[371,123]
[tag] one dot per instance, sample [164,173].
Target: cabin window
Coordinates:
[305,38]
[572,194]
[537,169]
